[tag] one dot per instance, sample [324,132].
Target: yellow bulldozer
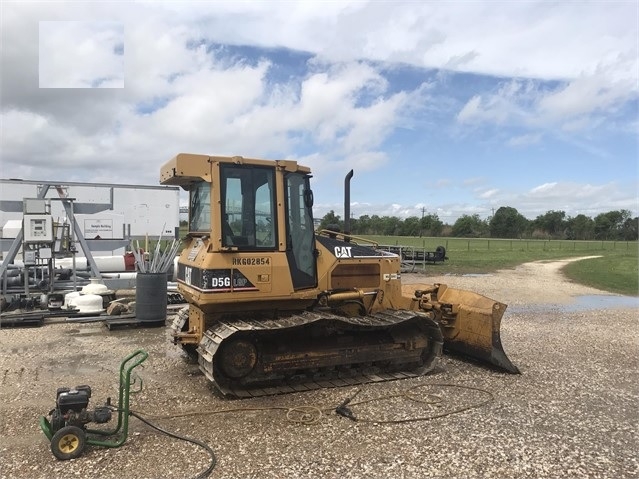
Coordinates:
[275,306]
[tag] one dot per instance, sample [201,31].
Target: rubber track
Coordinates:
[214,336]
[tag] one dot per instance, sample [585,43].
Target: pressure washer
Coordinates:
[66,429]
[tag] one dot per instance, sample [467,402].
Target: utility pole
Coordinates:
[421,223]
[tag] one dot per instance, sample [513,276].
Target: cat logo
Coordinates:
[343,251]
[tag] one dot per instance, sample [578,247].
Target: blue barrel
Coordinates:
[150,298]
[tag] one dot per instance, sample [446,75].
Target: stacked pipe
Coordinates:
[161,261]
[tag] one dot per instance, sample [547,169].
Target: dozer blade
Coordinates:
[470,322]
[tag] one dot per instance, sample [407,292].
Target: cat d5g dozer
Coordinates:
[276,307]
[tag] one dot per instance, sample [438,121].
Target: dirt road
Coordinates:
[573,412]
[539,282]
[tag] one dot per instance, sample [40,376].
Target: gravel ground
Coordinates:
[573,412]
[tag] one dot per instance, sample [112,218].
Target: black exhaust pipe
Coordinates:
[347,205]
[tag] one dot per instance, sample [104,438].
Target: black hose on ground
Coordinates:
[202,475]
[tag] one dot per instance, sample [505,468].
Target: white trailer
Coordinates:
[103,211]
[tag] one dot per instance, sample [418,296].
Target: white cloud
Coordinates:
[545,189]
[473,181]
[508,105]
[589,95]
[505,39]
[525,140]
[572,197]
[488,194]
[581,104]
[215,106]
[571,192]
[81,54]
[471,110]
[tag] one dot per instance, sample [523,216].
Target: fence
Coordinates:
[411,257]
[492,244]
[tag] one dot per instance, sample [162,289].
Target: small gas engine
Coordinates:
[71,409]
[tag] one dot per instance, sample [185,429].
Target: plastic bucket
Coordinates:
[150,298]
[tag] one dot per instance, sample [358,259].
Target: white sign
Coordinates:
[98,227]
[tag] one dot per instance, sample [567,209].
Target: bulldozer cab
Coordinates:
[252,206]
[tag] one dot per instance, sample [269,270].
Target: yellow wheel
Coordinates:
[68,443]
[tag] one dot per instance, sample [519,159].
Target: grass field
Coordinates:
[616,271]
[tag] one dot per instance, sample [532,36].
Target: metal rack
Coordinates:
[59,243]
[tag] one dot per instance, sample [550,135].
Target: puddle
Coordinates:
[582,303]
[602,301]
[470,275]
[84,364]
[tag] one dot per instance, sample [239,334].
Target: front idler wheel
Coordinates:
[238,358]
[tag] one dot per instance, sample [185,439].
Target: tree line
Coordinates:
[507,222]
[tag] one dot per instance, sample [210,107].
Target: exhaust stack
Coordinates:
[347,205]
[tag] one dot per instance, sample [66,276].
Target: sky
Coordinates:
[448,108]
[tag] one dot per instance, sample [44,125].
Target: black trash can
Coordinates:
[150,298]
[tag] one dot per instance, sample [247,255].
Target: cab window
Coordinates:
[248,207]
[200,208]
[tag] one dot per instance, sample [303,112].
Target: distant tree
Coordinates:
[329,220]
[390,225]
[354,225]
[362,226]
[468,226]
[604,226]
[610,225]
[581,227]
[376,226]
[410,226]
[630,229]
[507,222]
[553,223]
[431,225]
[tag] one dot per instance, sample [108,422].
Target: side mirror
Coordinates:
[308,198]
